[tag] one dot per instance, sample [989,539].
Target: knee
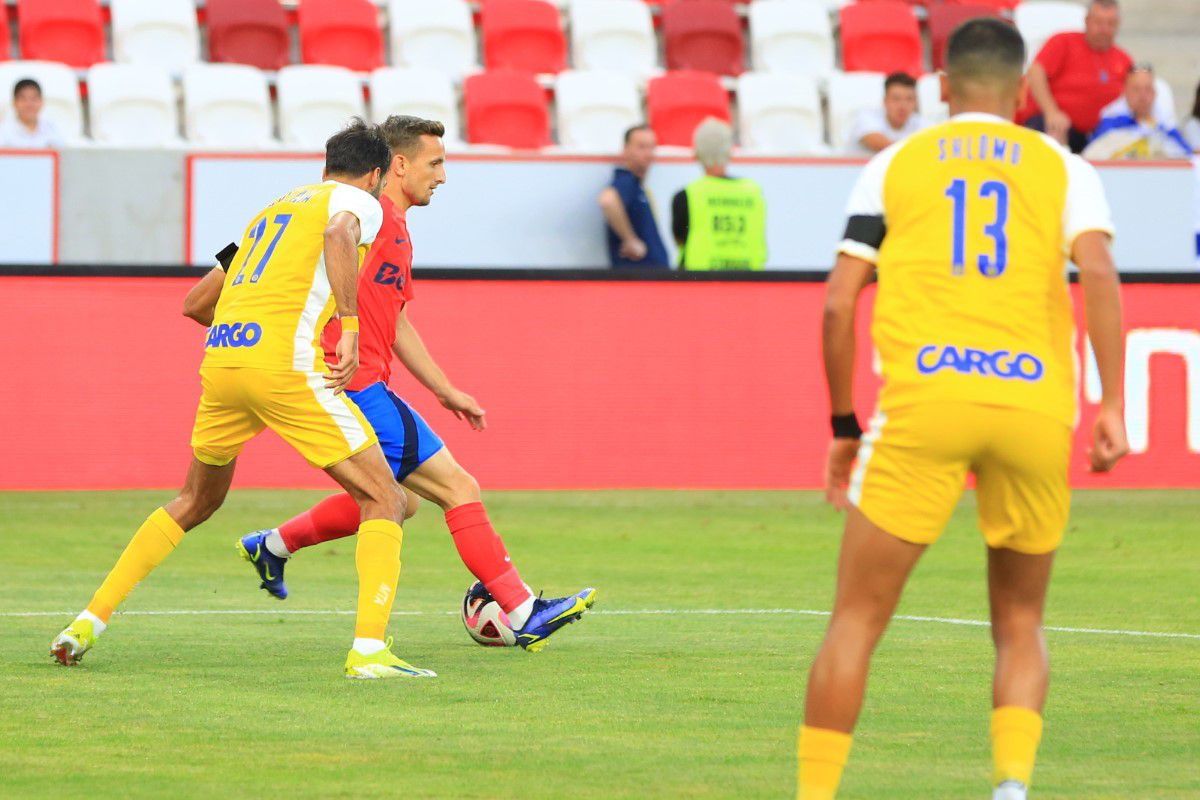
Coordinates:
[463,489]
[411,504]
[191,509]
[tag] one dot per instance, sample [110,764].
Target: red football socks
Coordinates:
[333,518]
[482,550]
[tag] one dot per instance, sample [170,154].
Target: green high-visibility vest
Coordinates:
[727,224]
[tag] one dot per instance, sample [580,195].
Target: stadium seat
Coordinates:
[507,108]
[615,35]
[1038,21]
[420,92]
[132,105]
[437,35]
[60,92]
[227,105]
[1164,102]
[881,36]
[315,102]
[849,93]
[595,109]
[791,36]
[161,33]
[703,35]
[5,40]
[997,6]
[929,99]
[677,102]
[68,31]
[341,33]
[944,18]
[780,114]
[523,35]
[253,32]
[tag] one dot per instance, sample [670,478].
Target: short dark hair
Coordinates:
[26,83]
[639,127]
[357,149]
[1196,104]
[985,49]
[899,79]
[403,133]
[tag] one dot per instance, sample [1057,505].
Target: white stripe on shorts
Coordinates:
[865,449]
[304,355]
[338,408]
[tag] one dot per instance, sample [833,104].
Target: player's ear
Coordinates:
[1023,92]
[944,87]
[399,165]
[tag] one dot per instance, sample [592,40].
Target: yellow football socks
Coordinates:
[378,560]
[822,755]
[153,542]
[1015,735]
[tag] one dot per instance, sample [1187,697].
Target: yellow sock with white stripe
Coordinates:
[822,755]
[153,542]
[1016,733]
[377,558]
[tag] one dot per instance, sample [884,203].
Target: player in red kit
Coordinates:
[419,459]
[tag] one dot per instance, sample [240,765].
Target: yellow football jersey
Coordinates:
[969,224]
[276,298]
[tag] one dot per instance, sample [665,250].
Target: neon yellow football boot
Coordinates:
[383,664]
[75,640]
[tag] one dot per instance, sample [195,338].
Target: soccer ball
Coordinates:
[485,620]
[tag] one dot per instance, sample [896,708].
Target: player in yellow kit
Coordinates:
[264,368]
[966,225]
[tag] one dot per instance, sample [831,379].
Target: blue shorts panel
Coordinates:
[406,439]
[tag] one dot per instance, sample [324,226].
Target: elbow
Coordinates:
[193,311]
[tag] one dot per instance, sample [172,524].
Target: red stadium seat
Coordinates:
[67,31]
[341,33]
[704,35]
[944,18]
[508,108]
[253,32]
[679,101]
[5,44]
[523,35]
[994,5]
[881,36]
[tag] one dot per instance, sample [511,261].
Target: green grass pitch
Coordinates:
[622,705]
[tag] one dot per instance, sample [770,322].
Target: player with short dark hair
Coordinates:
[966,225]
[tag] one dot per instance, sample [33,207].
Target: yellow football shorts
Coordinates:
[913,464]
[236,403]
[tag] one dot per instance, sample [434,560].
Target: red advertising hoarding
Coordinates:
[587,384]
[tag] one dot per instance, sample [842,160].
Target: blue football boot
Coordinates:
[550,615]
[253,548]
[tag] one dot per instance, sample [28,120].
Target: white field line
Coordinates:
[643,612]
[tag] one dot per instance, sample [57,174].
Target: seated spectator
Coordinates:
[877,128]
[1138,134]
[633,237]
[719,222]
[1191,126]
[24,129]
[1076,75]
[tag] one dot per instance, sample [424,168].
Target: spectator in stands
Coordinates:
[719,222]
[876,128]
[25,129]
[1076,75]
[1191,126]
[1138,134]
[633,237]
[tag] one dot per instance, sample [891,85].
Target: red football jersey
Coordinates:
[384,286]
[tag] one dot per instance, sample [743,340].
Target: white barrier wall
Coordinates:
[28,207]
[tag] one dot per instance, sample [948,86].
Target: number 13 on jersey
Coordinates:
[991,265]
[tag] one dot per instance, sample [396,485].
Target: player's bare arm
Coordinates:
[341,265]
[1102,302]
[849,277]
[415,357]
[200,303]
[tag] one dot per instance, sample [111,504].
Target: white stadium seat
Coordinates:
[595,109]
[1038,20]
[436,34]
[227,105]
[132,105]
[417,92]
[791,36]
[158,32]
[60,91]
[929,99]
[615,35]
[849,93]
[780,114]
[316,102]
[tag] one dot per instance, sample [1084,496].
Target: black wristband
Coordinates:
[845,426]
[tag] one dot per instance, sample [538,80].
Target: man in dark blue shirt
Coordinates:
[633,238]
